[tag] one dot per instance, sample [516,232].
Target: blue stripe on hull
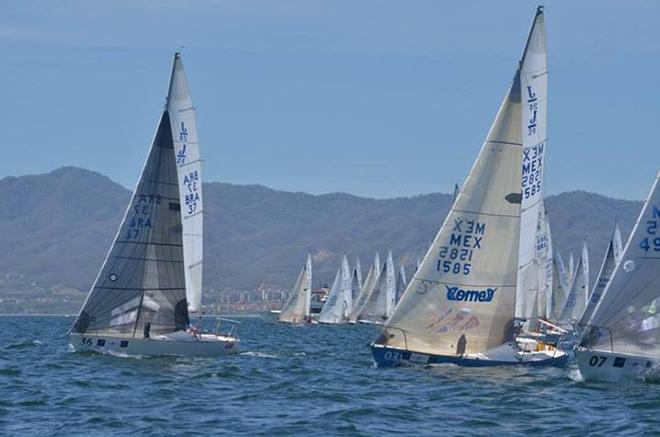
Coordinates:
[391,357]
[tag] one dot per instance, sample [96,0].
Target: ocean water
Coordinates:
[295,381]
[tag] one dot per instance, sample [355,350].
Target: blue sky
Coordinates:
[375,98]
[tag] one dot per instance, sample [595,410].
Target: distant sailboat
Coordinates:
[460,305]
[401,283]
[611,259]
[560,286]
[367,287]
[152,275]
[356,286]
[576,300]
[380,302]
[337,302]
[622,336]
[296,308]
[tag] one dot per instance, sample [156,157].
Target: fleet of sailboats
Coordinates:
[492,289]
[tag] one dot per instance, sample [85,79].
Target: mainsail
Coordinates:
[296,308]
[189,175]
[611,259]
[346,289]
[627,313]
[367,288]
[533,89]
[576,300]
[142,279]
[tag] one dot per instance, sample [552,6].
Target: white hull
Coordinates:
[204,345]
[608,366]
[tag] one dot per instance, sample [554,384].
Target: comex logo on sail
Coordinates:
[459,294]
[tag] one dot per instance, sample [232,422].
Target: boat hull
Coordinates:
[595,365]
[205,345]
[385,356]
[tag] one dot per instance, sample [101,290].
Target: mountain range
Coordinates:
[55,229]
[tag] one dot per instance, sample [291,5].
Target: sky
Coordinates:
[373,98]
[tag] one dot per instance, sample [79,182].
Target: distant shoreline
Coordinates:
[247,315]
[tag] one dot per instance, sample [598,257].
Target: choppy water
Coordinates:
[294,380]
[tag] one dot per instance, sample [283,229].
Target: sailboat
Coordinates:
[367,287]
[611,259]
[356,286]
[622,336]
[460,305]
[560,286]
[338,299]
[380,301]
[151,278]
[576,300]
[296,308]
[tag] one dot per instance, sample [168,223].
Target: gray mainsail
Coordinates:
[367,287]
[142,279]
[576,300]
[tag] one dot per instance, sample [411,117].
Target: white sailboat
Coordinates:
[381,300]
[460,305]
[612,257]
[296,307]
[622,336]
[356,286]
[367,287]
[576,300]
[151,277]
[560,286]
[339,298]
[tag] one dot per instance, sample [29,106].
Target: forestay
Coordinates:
[142,279]
[576,300]
[296,308]
[533,86]
[189,165]
[627,312]
[611,259]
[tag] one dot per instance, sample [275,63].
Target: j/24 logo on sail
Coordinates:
[459,294]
